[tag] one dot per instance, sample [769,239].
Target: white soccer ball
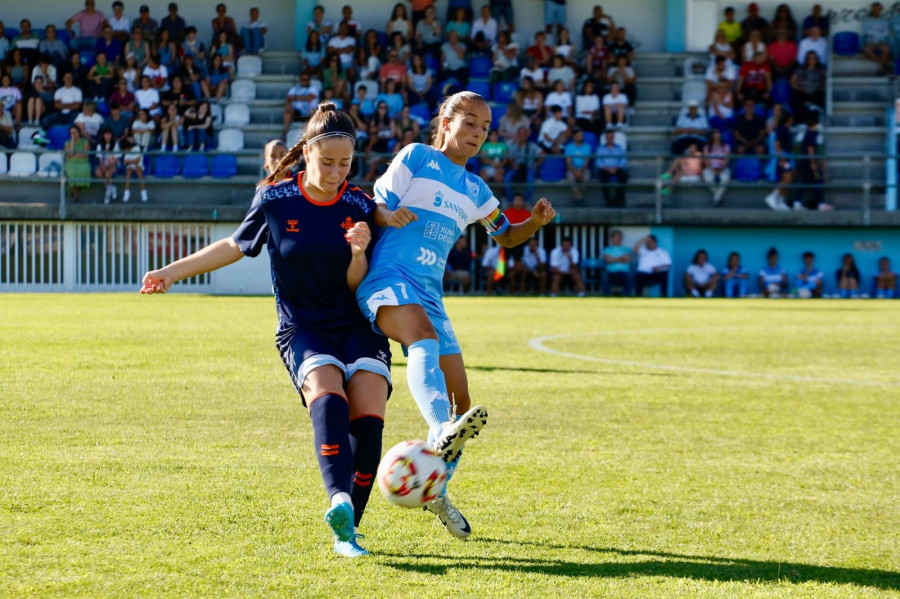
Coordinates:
[410,474]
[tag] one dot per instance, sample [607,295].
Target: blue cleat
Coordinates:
[340,519]
[349,548]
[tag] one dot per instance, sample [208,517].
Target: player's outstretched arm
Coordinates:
[399,218]
[542,213]
[215,256]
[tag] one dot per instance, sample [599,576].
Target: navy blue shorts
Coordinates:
[351,349]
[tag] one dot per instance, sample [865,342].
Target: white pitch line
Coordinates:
[537,343]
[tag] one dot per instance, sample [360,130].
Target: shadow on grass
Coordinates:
[655,563]
[480,368]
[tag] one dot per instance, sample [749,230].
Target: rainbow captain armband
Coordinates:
[495,223]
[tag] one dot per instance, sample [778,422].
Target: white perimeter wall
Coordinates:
[248,276]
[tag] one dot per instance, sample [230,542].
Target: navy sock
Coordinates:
[365,439]
[330,417]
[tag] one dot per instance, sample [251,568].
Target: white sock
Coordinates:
[340,497]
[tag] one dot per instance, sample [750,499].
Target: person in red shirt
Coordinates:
[540,50]
[517,213]
[783,54]
[393,69]
[755,79]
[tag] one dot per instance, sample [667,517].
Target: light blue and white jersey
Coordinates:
[446,198]
[772,275]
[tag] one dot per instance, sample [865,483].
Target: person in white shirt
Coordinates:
[148,98]
[319,23]
[489,263]
[614,105]
[691,128]
[554,132]
[532,266]
[701,278]
[561,97]
[121,25]
[814,43]
[652,267]
[301,99]
[253,33]
[533,69]
[486,26]
[344,45]
[67,101]
[89,123]
[564,265]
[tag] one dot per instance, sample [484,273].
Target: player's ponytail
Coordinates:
[450,107]
[325,121]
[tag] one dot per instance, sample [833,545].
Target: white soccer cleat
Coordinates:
[452,519]
[454,435]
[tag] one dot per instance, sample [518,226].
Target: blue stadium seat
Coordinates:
[103,108]
[59,135]
[86,44]
[504,91]
[480,66]
[88,58]
[432,63]
[165,167]
[846,43]
[195,166]
[383,39]
[781,91]
[10,32]
[421,111]
[590,138]
[473,165]
[747,170]
[224,166]
[480,87]
[63,36]
[497,112]
[552,169]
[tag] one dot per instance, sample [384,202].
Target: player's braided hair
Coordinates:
[450,107]
[326,118]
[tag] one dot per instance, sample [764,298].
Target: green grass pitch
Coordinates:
[153,446]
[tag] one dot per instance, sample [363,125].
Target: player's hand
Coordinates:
[401,217]
[543,211]
[358,236]
[157,281]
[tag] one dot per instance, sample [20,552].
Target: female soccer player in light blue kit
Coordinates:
[426,199]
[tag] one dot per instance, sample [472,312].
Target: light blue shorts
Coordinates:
[391,289]
[554,14]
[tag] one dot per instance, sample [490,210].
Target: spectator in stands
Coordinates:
[721,110]
[192,46]
[4,43]
[301,100]
[193,78]
[540,50]
[617,258]
[876,38]
[502,11]
[344,45]
[720,77]
[158,74]
[460,23]
[566,49]
[79,71]
[599,24]
[811,170]
[701,277]
[782,54]
[399,44]
[109,45]
[198,127]
[107,162]
[146,24]
[525,158]
[419,84]
[615,105]
[562,98]
[333,75]
[493,159]
[554,132]
[119,23]
[772,279]
[253,33]
[784,19]
[815,19]
[810,280]
[847,277]
[28,41]
[782,148]
[734,277]
[147,98]
[219,78]
[117,123]
[128,72]
[808,87]
[394,69]
[612,170]
[505,56]
[459,264]
[390,96]
[813,42]
[685,169]
[531,266]
[171,130]
[11,98]
[124,99]
[750,130]
[533,71]
[382,131]
[490,261]
[167,50]
[620,46]
[77,163]
[353,27]
[324,27]
[222,22]
[368,57]
[554,15]
[624,74]
[404,121]
[17,68]
[484,30]
[721,47]
[133,161]
[99,84]
[453,59]
[366,106]
[89,123]
[511,121]
[578,164]
[53,47]
[597,60]
[144,129]
[138,47]
[173,24]
[90,22]
[715,165]
[400,22]
[531,101]
[67,103]
[560,71]
[37,99]
[313,53]
[564,267]
[429,32]
[47,71]
[328,96]
[224,48]
[588,115]
[691,128]
[7,130]
[517,212]
[652,266]
[755,79]
[885,280]
[754,22]
[273,152]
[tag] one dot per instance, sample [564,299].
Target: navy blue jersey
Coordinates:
[308,251]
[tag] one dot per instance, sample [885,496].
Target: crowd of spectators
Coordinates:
[119,86]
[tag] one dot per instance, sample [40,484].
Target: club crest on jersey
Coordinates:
[433,164]
[438,199]
[292,226]
[347,224]
[473,189]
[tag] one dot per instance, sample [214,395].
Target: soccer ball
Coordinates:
[410,474]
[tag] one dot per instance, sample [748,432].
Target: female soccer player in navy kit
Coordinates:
[426,200]
[316,228]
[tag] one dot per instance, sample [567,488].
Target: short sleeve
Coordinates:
[253,233]
[391,186]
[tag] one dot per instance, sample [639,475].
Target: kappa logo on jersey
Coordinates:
[433,164]
[427,257]
[438,199]
[385,297]
[347,224]
[292,226]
